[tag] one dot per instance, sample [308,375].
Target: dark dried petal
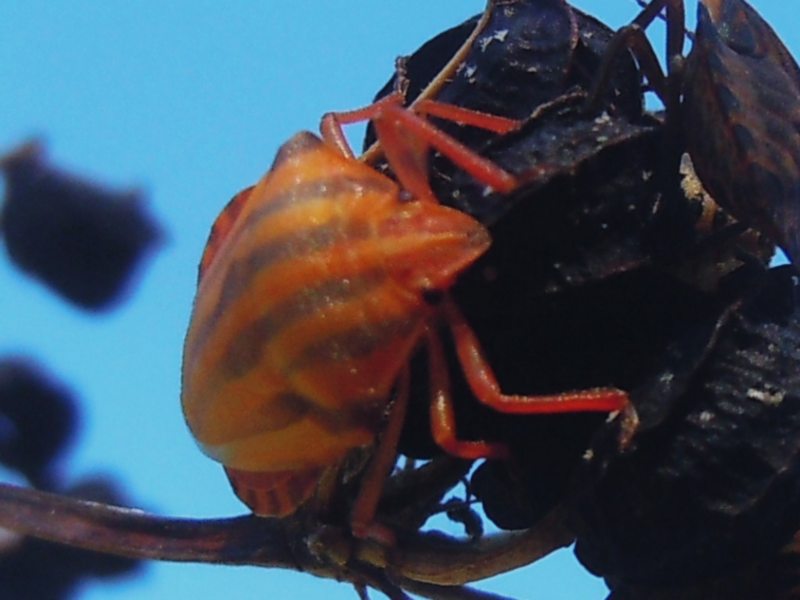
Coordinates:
[529,53]
[713,481]
[519,61]
[614,332]
[585,206]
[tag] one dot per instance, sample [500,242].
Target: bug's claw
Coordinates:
[628,426]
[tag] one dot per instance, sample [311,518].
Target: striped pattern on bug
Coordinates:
[309,307]
[315,288]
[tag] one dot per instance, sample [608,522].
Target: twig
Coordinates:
[429,564]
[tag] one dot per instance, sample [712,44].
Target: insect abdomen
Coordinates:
[310,302]
[298,332]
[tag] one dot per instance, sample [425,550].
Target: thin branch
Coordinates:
[136,534]
[433,565]
[443,560]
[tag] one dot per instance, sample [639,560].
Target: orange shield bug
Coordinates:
[316,286]
[734,105]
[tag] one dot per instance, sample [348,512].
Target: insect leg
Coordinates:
[632,37]
[484,385]
[465,116]
[442,413]
[362,516]
[405,137]
[676,20]
[482,169]
[331,124]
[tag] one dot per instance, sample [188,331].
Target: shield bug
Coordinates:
[315,288]
[734,105]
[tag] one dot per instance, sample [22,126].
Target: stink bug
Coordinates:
[315,288]
[734,104]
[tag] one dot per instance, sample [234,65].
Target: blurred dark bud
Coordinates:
[37,419]
[82,240]
[38,570]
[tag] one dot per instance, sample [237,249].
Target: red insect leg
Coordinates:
[484,385]
[443,428]
[405,137]
[442,412]
[362,516]
[465,116]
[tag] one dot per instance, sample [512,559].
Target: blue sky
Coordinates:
[189,101]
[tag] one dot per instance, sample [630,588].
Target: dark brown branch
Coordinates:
[135,534]
[429,564]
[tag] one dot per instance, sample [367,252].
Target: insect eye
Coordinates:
[432,296]
[405,196]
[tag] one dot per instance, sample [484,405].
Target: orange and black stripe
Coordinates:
[309,304]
